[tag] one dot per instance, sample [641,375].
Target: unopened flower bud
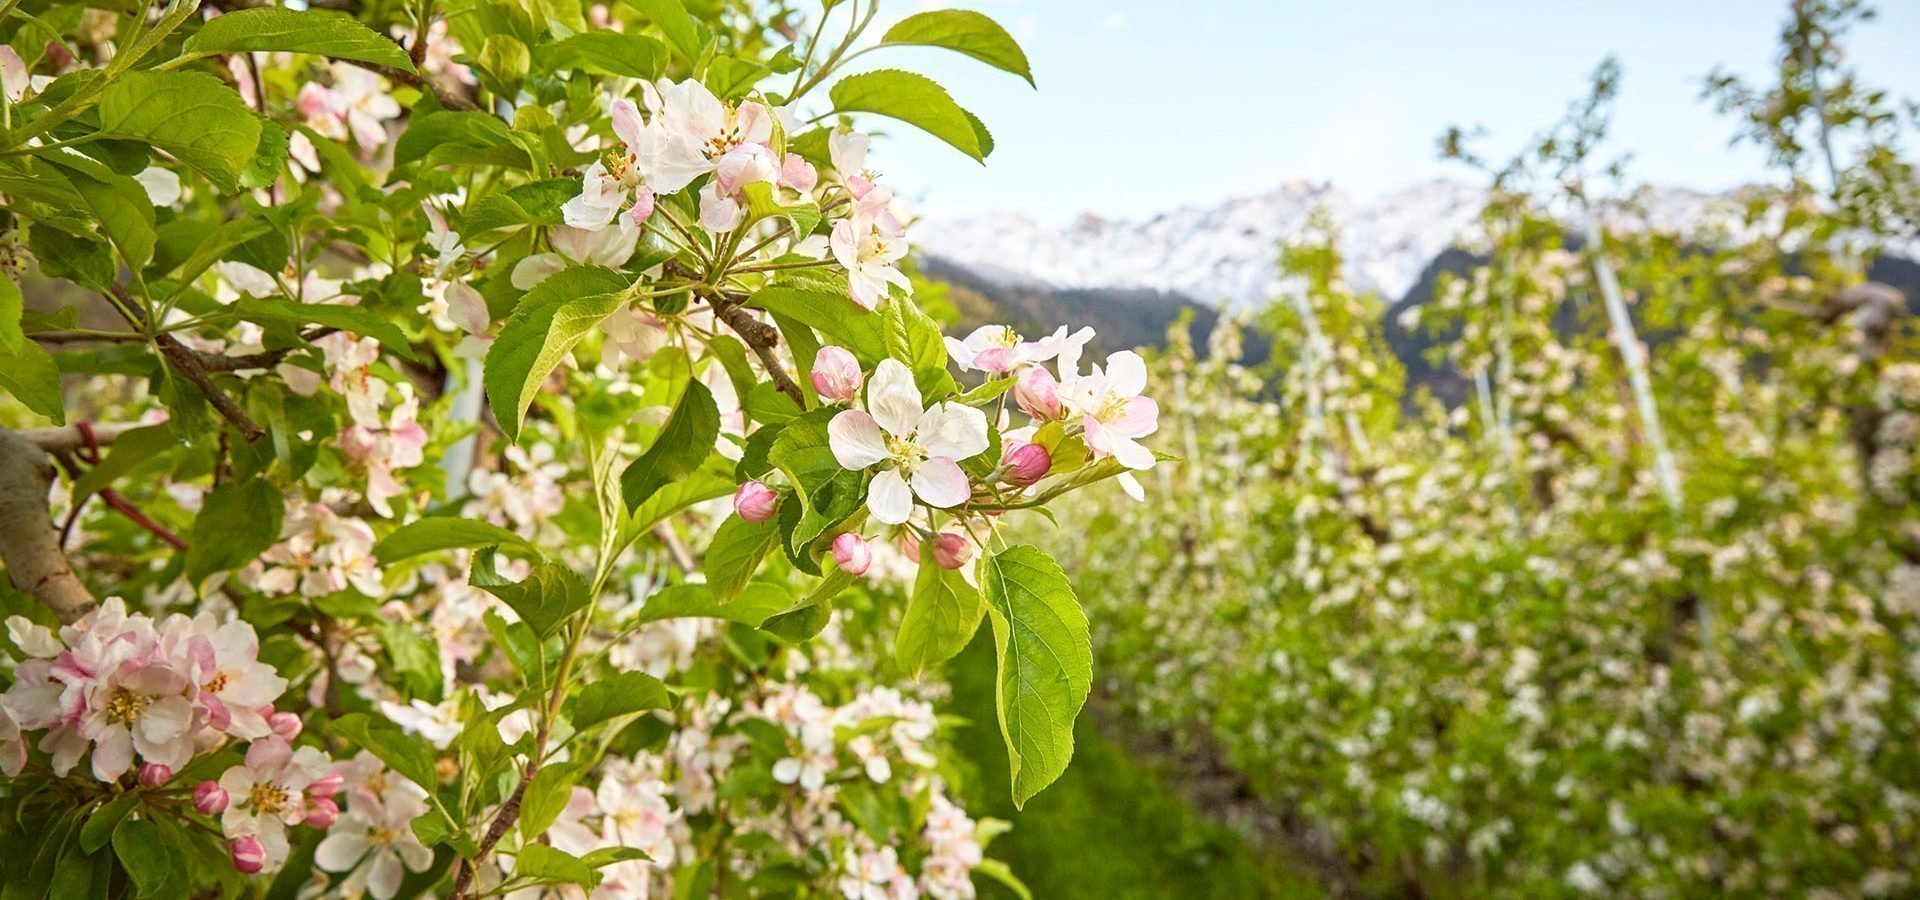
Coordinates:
[210,798]
[851,554]
[1038,394]
[951,551]
[1025,464]
[909,545]
[836,374]
[285,724]
[154,775]
[322,813]
[326,785]
[249,855]
[755,502]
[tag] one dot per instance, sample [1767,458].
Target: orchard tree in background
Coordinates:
[483,447]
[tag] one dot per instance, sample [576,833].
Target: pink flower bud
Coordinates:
[210,798]
[836,374]
[1038,394]
[322,813]
[249,855]
[1025,463]
[285,724]
[326,785]
[909,545]
[154,775]
[951,551]
[755,502]
[851,554]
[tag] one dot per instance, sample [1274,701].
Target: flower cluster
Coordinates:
[119,689]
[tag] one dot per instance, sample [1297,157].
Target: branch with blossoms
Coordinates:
[448,338]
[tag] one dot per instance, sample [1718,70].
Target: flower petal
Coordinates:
[889,498]
[856,440]
[893,398]
[952,430]
[342,849]
[940,482]
[1126,373]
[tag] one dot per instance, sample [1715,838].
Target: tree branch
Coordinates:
[763,338]
[29,546]
[68,438]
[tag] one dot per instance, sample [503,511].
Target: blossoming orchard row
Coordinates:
[1466,635]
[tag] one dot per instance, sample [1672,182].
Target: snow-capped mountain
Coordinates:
[1224,255]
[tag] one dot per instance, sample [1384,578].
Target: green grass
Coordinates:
[1110,827]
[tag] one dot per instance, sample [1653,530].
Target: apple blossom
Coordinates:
[322,812]
[836,374]
[249,855]
[999,349]
[851,554]
[1037,393]
[285,724]
[1113,413]
[1025,463]
[153,775]
[210,798]
[868,244]
[951,550]
[375,841]
[919,450]
[755,502]
[234,685]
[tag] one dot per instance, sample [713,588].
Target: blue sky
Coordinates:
[1147,106]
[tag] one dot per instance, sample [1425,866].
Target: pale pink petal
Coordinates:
[889,498]
[952,430]
[342,849]
[940,482]
[1126,373]
[893,398]
[1141,418]
[856,440]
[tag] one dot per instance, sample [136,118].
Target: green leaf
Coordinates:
[834,315]
[546,798]
[357,320]
[1045,663]
[99,826]
[755,603]
[544,600]
[804,620]
[623,694]
[410,757]
[542,330]
[232,234]
[941,617]
[687,36]
[736,552]
[332,34]
[606,856]
[30,375]
[916,100]
[963,31]
[445,533]
[828,492]
[460,136]
[537,203]
[914,339]
[546,864]
[999,871]
[191,115]
[119,203]
[129,450]
[269,157]
[12,304]
[237,523]
[156,867]
[684,442]
[606,53]
[702,485]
